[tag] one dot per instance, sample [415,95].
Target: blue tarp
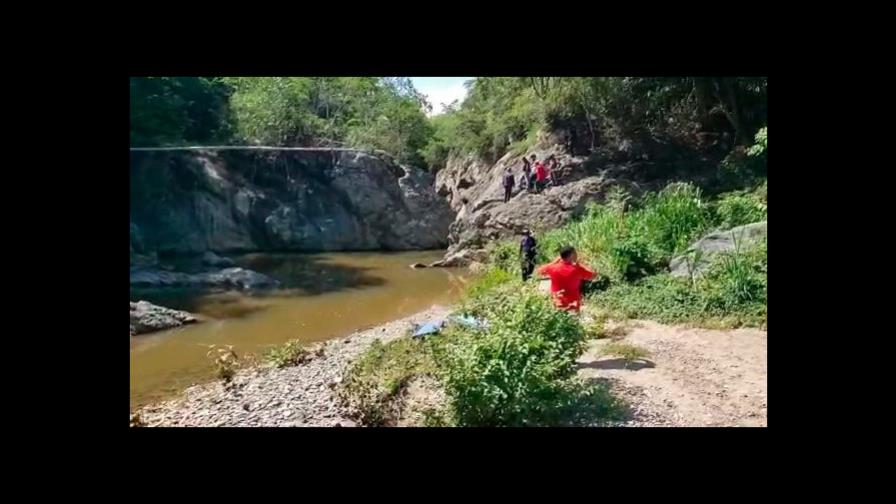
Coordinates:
[435,326]
[431,327]
[467,321]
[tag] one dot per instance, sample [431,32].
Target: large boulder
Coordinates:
[461,258]
[191,201]
[147,317]
[714,243]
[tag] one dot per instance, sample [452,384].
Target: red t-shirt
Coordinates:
[540,172]
[566,280]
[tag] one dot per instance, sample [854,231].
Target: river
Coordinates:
[323,296]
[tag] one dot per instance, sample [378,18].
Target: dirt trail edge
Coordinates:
[693,378]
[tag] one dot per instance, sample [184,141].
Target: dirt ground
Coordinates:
[693,377]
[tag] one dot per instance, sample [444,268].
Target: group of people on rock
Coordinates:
[565,273]
[535,176]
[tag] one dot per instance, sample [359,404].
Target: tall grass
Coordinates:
[733,293]
[627,245]
[630,244]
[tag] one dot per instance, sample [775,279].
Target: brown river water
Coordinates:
[323,296]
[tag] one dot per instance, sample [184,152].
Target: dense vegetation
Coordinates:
[518,371]
[367,112]
[505,113]
[630,243]
[499,113]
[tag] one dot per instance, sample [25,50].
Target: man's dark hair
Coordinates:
[565,252]
[532,156]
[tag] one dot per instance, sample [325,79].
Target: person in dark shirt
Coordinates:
[527,169]
[531,173]
[553,171]
[508,184]
[528,251]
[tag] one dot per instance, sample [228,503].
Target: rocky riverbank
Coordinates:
[298,396]
[147,317]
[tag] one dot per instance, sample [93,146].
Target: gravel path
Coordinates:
[299,396]
[694,377]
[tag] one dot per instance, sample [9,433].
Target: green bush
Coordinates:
[739,208]
[292,353]
[732,293]
[520,370]
[504,255]
[631,258]
[760,148]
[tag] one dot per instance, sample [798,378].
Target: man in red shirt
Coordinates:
[566,276]
[541,175]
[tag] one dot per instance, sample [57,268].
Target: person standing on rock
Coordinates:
[553,173]
[541,175]
[530,176]
[566,276]
[527,173]
[508,184]
[528,251]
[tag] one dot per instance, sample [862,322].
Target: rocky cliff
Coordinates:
[189,201]
[474,189]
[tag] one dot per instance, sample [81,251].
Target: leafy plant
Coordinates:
[292,353]
[225,361]
[739,208]
[504,255]
[761,145]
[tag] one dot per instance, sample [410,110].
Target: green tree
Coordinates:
[177,110]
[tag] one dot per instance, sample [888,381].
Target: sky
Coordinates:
[439,90]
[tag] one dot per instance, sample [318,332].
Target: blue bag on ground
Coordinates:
[430,327]
[468,321]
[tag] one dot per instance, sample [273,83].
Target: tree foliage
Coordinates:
[499,114]
[364,112]
[177,110]
[597,111]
